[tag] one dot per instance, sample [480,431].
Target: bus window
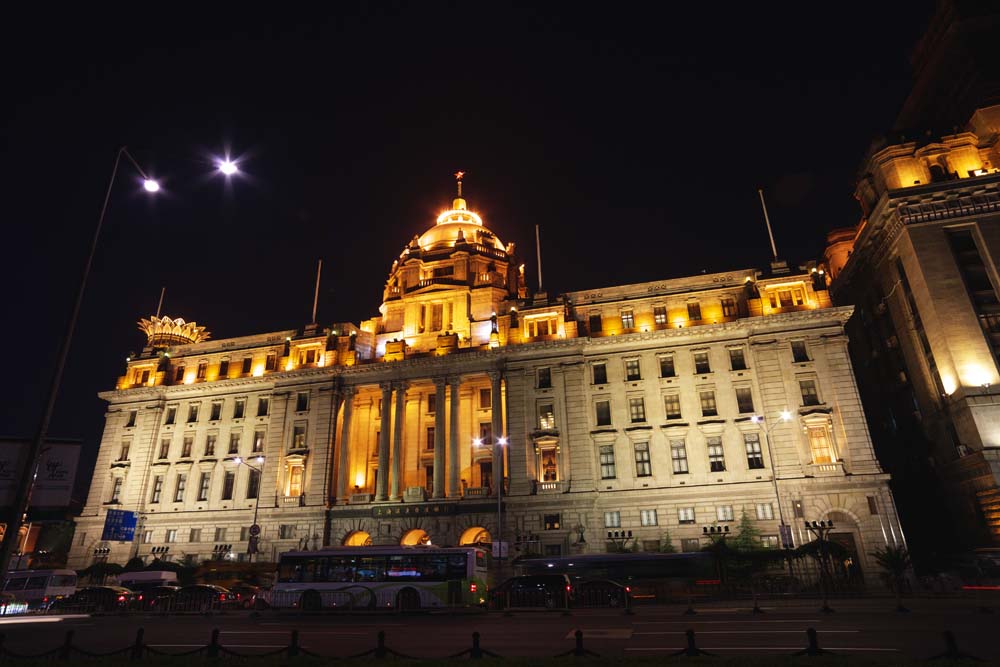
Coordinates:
[63,580]
[14,584]
[36,582]
[370,569]
[341,568]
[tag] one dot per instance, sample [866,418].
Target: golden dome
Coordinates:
[163,331]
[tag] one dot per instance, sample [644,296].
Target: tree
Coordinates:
[666,543]
[895,563]
[747,536]
[135,564]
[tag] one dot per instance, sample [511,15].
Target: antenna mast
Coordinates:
[767,221]
[163,290]
[538,249]
[319,270]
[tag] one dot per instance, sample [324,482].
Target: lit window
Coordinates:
[648,518]
[192,413]
[660,314]
[637,410]
[485,399]
[220,534]
[600,373]
[632,370]
[708,407]
[685,515]
[195,535]
[171,535]
[810,396]
[294,480]
[299,436]
[603,409]
[206,483]
[744,400]
[679,456]
[612,519]
[729,308]
[716,456]
[147,536]
[765,511]
[701,365]
[755,459]
[769,541]
[672,406]
[123,453]
[607,454]
[667,366]
[179,374]
[116,489]
[210,445]
[628,319]
[271,362]
[643,466]
[546,417]
[550,522]
[258,442]
[724,513]
[202,370]
[819,445]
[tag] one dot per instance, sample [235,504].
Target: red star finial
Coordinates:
[459,175]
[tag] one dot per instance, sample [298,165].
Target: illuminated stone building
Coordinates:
[660,408]
[921,271]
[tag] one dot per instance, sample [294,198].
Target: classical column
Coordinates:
[397,442]
[439,437]
[343,466]
[497,412]
[383,444]
[454,460]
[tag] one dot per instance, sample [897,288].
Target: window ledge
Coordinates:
[821,408]
[603,429]
[121,464]
[711,421]
[639,427]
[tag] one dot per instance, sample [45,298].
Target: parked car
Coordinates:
[100,599]
[552,591]
[204,597]
[158,598]
[600,593]
[246,594]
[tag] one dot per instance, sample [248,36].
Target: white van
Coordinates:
[39,588]
[143,581]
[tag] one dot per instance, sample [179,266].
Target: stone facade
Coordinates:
[660,408]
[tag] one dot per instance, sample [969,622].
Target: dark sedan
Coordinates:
[204,597]
[99,599]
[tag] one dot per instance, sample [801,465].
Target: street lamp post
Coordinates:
[784,530]
[500,442]
[821,529]
[252,543]
[26,481]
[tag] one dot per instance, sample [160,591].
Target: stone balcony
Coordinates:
[545,488]
[835,469]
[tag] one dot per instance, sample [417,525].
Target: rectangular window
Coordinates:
[667,366]
[429,441]
[744,400]
[116,489]
[308,357]
[130,422]
[299,436]
[253,484]
[147,536]
[247,365]
[485,399]
[244,533]
[203,486]
[799,352]
[716,456]
[729,308]
[486,433]
[302,401]
[648,518]
[672,406]
[216,411]
[123,452]
[186,446]
[295,480]
[192,413]
[179,489]
[286,531]
[690,544]
[263,405]
[271,362]
[202,370]
[551,521]
[544,378]
[637,410]
[239,408]
[171,535]
[546,417]
[708,407]
[872,505]
[195,535]
[632,373]
[701,365]
[228,482]
[224,369]
[694,310]
[685,515]
[431,404]
[179,374]
[628,319]
[600,373]
[809,394]
[765,511]
[258,442]
[595,324]
[679,456]
[737,361]
[603,409]
[220,534]
[171,415]
[210,445]
[234,443]
[643,466]
[612,519]
[769,541]
[724,513]
[157,489]
[607,458]
[755,459]
[819,445]
[660,314]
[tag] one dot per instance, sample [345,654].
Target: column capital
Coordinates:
[401,385]
[386,387]
[495,376]
[454,380]
[440,382]
[348,391]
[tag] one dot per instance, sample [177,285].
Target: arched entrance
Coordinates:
[847,535]
[357,538]
[475,535]
[415,537]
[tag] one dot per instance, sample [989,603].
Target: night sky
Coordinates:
[636,137]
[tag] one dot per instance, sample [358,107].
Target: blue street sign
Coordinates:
[119,526]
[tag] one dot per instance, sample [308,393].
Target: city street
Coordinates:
[859,627]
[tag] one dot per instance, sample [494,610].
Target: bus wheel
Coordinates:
[311,600]
[408,599]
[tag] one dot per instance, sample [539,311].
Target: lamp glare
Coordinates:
[228,167]
[151,185]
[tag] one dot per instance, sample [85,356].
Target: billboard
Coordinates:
[56,472]
[119,526]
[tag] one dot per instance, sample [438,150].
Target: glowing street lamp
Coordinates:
[228,167]
[785,530]
[150,185]
[501,441]
[254,528]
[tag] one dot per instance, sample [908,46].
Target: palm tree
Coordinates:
[895,563]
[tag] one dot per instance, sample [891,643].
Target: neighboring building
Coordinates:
[921,271]
[626,408]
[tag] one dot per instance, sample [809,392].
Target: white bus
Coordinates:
[39,588]
[402,577]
